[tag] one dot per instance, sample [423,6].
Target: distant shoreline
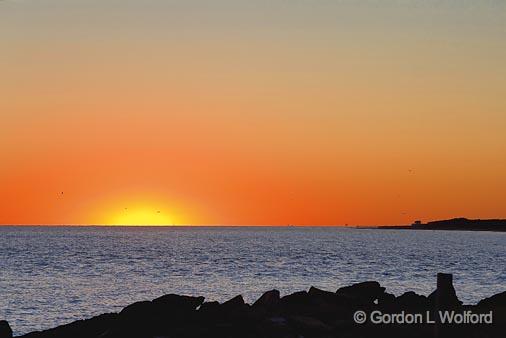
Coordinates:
[455,224]
[408,227]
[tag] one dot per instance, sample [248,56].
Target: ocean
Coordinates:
[54,275]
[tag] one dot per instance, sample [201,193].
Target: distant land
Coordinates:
[456,224]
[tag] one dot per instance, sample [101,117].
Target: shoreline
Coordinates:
[313,313]
[456,224]
[409,227]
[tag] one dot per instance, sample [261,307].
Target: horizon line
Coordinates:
[196,225]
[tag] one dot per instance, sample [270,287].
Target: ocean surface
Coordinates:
[54,275]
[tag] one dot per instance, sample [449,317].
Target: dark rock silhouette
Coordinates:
[367,292]
[316,313]
[5,329]
[495,300]
[94,327]
[444,296]
[411,299]
[268,300]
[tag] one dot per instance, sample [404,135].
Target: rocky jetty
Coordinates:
[360,310]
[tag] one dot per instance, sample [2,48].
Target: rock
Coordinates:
[320,293]
[298,303]
[176,303]
[268,300]
[444,296]
[411,299]
[496,304]
[385,299]
[155,317]
[138,310]
[367,292]
[296,298]
[330,301]
[234,308]
[5,329]
[209,306]
[294,303]
[319,304]
[134,320]
[209,311]
[234,304]
[495,301]
[165,305]
[94,327]
[227,312]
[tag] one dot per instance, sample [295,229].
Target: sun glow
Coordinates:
[142,216]
[140,211]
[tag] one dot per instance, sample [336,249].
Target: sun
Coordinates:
[142,215]
[141,209]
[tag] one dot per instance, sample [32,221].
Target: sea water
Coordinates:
[54,275]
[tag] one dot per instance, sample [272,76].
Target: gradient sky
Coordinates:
[251,112]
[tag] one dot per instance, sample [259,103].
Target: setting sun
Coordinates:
[140,209]
[142,216]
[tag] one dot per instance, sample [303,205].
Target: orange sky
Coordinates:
[314,113]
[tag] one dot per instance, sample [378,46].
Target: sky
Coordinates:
[251,112]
